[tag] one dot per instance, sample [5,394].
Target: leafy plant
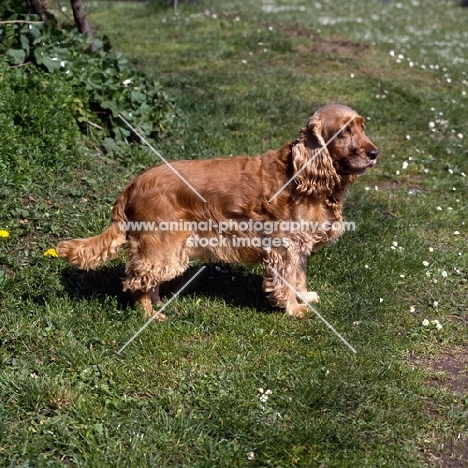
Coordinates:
[103,84]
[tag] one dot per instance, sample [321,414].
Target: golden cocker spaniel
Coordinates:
[273,209]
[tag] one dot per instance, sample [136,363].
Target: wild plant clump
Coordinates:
[100,84]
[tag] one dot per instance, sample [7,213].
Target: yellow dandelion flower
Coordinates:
[50,253]
[4,233]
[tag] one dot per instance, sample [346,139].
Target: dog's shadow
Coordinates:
[237,286]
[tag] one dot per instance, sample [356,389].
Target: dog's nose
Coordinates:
[372,153]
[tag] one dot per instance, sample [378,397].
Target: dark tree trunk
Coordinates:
[36,7]
[81,21]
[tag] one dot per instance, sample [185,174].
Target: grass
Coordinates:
[246,76]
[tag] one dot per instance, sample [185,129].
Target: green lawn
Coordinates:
[246,76]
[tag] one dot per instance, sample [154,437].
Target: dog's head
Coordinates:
[332,145]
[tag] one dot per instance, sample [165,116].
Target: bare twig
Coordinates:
[39,9]
[92,124]
[20,65]
[21,21]
[81,21]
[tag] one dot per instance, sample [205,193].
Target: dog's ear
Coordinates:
[312,163]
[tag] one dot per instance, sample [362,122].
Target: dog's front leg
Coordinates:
[279,281]
[301,281]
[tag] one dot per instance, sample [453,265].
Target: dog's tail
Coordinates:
[90,253]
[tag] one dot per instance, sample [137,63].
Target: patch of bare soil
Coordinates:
[450,369]
[451,366]
[411,183]
[452,454]
[334,46]
[389,185]
[341,47]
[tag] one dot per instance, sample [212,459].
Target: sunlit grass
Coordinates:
[246,76]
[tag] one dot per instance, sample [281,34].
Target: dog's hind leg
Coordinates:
[146,300]
[154,259]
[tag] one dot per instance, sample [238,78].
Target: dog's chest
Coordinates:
[320,212]
[321,222]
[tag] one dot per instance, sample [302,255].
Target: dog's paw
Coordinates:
[299,311]
[152,314]
[309,296]
[159,316]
